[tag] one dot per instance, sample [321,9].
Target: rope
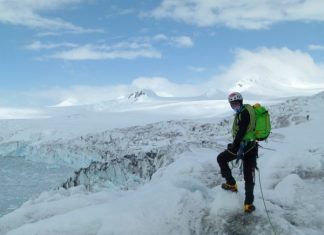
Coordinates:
[266,148]
[265,207]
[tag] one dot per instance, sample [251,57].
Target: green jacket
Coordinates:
[249,134]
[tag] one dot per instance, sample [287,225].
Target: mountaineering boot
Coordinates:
[230,187]
[248,208]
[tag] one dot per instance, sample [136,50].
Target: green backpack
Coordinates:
[262,122]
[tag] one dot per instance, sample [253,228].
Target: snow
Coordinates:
[172,180]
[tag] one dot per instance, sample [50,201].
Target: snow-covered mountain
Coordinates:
[142,95]
[162,177]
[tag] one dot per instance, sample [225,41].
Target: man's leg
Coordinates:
[223,159]
[249,166]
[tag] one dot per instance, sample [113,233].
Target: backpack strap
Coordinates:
[250,132]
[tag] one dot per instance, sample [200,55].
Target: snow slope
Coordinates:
[181,194]
[80,134]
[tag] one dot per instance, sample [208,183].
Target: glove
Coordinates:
[232,148]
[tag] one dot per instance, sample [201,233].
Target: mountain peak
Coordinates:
[141,95]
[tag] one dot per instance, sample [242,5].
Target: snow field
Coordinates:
[184,197]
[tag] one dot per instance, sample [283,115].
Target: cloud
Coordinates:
[123,50]
[241,14]
[316,47]
[75,95]
[197,69]
[163,87]
[85,95]
[183,41]
[138,47]
[37,45]
[272,72]
[27,13]
[160,37]
[118,11]
[179,41]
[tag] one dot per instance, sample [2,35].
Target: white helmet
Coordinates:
[235,96]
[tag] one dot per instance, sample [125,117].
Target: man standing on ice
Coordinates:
[243,147]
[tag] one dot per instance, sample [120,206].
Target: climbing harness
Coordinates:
[240,156]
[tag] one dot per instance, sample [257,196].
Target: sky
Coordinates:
[94,50]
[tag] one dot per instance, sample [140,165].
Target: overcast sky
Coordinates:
[92,50]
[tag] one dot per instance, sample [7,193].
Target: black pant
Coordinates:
[249,165]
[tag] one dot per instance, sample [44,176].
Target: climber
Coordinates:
[243,147]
